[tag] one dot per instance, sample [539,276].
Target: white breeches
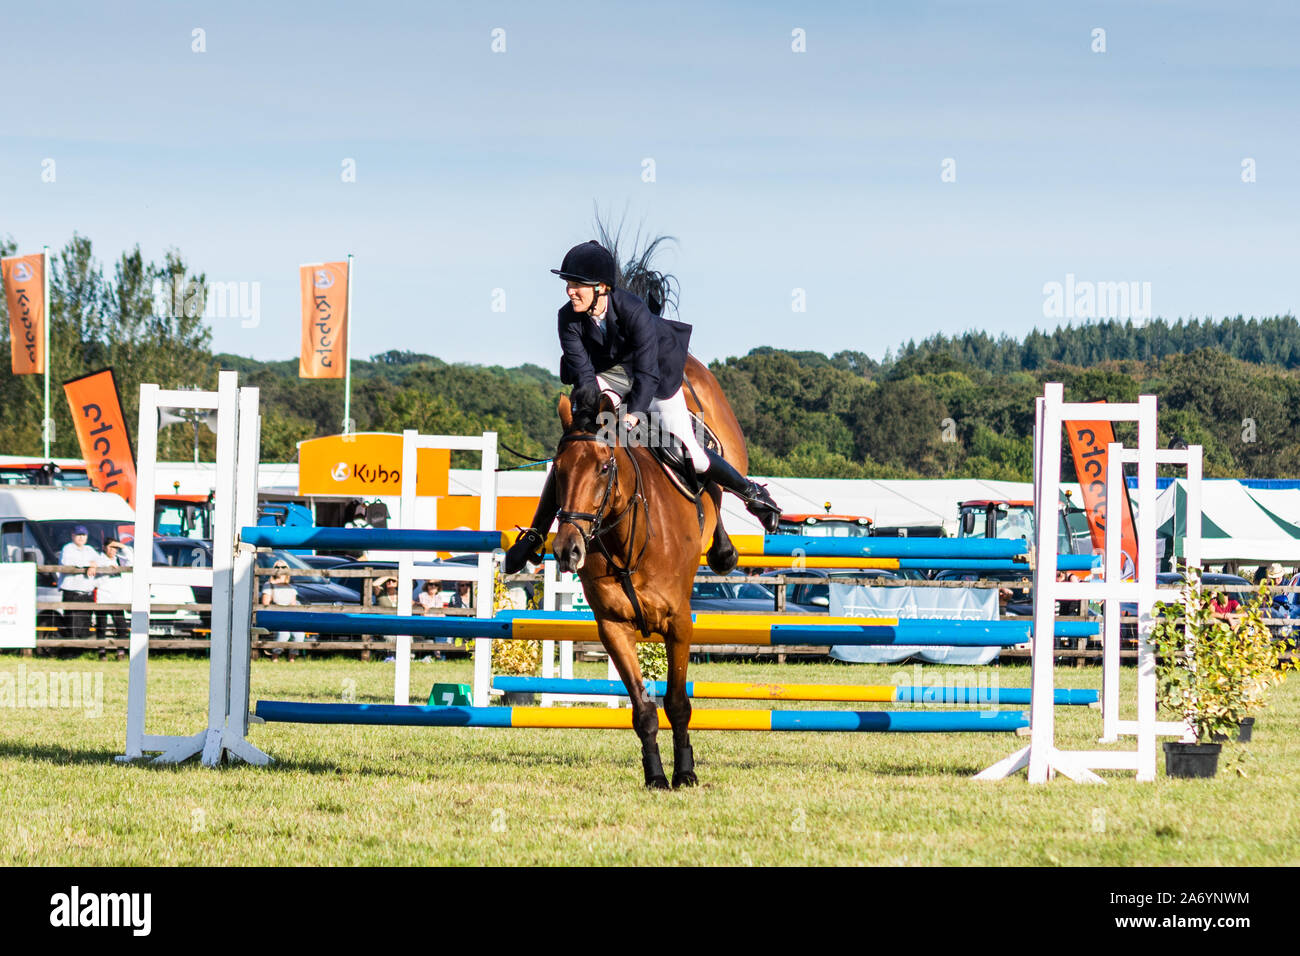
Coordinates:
[674,418]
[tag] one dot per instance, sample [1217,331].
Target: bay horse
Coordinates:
[635,542]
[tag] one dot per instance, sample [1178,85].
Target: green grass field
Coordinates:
[417,796]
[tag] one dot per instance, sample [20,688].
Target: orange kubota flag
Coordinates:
[324,319]
[101,432]
[24,281]
[1088,441]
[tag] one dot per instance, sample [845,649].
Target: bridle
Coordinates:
[602,520]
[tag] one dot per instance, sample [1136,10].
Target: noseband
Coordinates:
[600,521]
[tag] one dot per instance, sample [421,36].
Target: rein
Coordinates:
[595,534]
[531,461]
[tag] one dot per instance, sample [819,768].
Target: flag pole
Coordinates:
[45,281]
[347,358]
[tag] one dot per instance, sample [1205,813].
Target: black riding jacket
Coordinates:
[651,348]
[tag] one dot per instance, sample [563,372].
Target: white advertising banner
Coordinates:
[17,605]
[959,604]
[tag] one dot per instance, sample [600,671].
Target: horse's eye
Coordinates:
[604,468]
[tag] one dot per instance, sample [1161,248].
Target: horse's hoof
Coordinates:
[657,783]
[686,778]
[723,563]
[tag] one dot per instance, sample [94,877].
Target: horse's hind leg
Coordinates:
[620,641]
[722,556]
[677,705]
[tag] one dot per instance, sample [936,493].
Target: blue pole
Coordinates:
[920,553]
[791,544]
[370,539]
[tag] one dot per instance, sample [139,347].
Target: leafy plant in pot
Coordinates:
[1213,668]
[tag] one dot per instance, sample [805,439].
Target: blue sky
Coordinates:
[776,170]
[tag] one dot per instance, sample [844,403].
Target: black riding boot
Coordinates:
[757,501]
[528,546]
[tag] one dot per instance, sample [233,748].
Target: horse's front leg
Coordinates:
[619,639]
[677,704]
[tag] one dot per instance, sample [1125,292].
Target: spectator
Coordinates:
[279,591]
[1067,608]
[358,519]
[386,592]
[1224,606]
[430,596]
[113,588]
[1281,603]
[78,586]
[1287,605]
[464,596]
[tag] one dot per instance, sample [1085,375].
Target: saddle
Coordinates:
[676,460]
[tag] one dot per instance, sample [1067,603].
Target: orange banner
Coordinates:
[101,431]
[461,511]
[1088,441]
[324,319]
[367,464]
[24,281]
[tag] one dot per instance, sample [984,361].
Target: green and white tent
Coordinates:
[1235,524]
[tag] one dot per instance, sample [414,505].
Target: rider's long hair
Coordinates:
[657,289]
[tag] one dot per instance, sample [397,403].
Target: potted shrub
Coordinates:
[1215,669]
[653,659]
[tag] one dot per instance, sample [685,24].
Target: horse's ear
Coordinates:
[565,410]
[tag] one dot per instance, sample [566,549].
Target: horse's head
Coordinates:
[586,475]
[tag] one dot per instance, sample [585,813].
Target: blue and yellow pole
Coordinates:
[761,630]
[725,690]
[605,718]
[756,550]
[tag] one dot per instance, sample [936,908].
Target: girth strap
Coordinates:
[625,579]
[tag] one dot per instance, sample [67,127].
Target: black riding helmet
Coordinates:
[589,263]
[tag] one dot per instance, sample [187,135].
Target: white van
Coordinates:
[37,521]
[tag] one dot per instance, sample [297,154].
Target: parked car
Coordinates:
[816,597]
[324,561]
[37,521]
[738,595]
[448,588]
[1021,601]
[312,586]
[1172,580]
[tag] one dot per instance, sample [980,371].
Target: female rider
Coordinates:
[612,342]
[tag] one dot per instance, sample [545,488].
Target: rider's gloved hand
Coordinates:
[527,547]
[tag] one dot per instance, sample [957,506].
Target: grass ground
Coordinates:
[416,796]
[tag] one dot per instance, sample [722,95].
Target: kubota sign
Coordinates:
[367,464]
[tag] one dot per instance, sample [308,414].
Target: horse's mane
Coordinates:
[585,404]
